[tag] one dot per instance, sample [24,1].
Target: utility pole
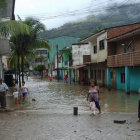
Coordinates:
[57,63]
[70,63]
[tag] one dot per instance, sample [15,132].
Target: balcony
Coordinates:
[86,59]
[125,59]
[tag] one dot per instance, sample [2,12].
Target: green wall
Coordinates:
[64,41]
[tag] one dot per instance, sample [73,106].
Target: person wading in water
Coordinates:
[3,91]
[94,95]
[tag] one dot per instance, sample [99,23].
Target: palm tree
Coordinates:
[11,27]
[29,42]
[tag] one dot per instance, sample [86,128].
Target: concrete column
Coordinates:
[127,79]
[108,78]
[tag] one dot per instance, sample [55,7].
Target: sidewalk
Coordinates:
[41,125]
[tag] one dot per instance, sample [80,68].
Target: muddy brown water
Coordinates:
[61,97]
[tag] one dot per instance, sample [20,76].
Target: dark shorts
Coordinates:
[24,94]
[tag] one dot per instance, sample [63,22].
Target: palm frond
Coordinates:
[39,43]
[13,27]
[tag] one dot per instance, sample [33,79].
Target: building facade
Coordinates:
[64,63]
[81,56]
[99,52]
[60,43]
[6,13]
[124,61]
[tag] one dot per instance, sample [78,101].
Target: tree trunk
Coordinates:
[22,66]
[19,72]
[15,71]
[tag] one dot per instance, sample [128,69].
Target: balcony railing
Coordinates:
[86,58]
[125,59]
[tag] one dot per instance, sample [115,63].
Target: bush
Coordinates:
[39,68]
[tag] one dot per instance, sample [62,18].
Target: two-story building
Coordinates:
[99,51]
[124,61]
[6,13]
[64,62]
[80,57]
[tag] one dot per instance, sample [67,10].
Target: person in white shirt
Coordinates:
[24,91]
[16,96]
[3,91]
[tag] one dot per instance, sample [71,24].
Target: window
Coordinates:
[95,49]
[101,45]
[122,77]
[99,74]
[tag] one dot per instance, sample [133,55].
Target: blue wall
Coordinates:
[118,78]
[134,78]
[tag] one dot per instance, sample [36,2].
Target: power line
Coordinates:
[72,13]
[44,14]
[81,11]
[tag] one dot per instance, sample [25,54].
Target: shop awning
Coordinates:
[77,67]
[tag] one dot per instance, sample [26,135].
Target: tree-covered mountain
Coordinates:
[113,16]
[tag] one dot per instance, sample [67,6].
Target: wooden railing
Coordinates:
[125,59]
[86,58]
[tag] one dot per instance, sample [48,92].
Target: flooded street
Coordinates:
[50,117]
[61,97]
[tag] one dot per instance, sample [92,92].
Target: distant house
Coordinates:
[61,42]
[6,13]
[80,56]
[64,62]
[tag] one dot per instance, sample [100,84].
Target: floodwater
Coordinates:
[59,97]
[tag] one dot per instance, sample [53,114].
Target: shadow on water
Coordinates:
[62,97]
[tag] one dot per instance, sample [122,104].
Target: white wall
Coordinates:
[93,56]
[4,62]
[78,51]
[55,61]
[102,54]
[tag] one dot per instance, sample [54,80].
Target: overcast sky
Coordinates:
[54,13]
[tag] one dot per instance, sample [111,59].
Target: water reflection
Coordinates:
[62,97]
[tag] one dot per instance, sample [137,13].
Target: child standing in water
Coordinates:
[92,107]
[16,96]
[24,91]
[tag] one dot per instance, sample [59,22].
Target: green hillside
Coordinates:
[114,16]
